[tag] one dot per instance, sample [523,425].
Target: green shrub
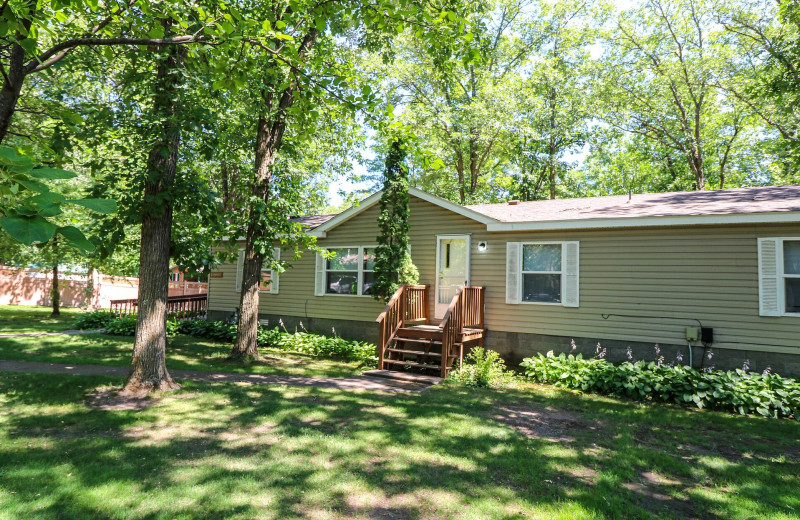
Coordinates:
[123,326]
[216,330]
[93,320]
[305,342]
[736,391]
[318,345]
[482,368]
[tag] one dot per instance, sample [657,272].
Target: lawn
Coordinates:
[183,352]
[244,451]
[69,449]
[18,319]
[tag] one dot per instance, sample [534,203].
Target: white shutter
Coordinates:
[570,274]
[768,276]
[239,270]
[273,280]
[513,268]
[319,279]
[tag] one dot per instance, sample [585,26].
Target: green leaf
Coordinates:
[76,238]
[51,173]
[9,157]
[47,204]
[98,205]
[28,230]
[33,185]
[156,32]
[29,44]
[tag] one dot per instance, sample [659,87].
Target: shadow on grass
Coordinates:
[183,352]
[240,451]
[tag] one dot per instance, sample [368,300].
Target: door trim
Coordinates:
[468,237]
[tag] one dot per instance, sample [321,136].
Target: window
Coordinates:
[542,272]
[349,271]
[266,278]
[368,279]
[791,276]
[779,276]
[268,282]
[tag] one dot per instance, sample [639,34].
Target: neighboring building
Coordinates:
[616,270]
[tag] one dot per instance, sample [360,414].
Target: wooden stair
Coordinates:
[408,340]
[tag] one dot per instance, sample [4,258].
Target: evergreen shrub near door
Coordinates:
[735,391]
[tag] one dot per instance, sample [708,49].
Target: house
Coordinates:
[712,275]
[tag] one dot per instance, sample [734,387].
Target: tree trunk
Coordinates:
[55,296]
[246,345]
[268,141]
[90,287]
[14,78]
[551,148]
[269,137]
[148,367]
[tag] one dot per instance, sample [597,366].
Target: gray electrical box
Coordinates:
[692,333]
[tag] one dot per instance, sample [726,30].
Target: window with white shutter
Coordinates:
[513,290]
[319,276]
[269,277]
[569,283]
[543,273]
[779,276]
[239,271]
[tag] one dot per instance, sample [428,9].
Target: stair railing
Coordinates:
[408,304]
[474,302]
[451,324]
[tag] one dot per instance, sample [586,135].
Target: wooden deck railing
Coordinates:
[408,304]
[465,310]
[451,324]
[473,306]
[180,307]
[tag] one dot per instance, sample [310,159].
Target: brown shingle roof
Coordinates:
[693,203]
[313,221]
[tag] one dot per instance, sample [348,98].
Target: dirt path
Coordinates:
[363,382]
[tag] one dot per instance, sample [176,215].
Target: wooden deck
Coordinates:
[408,339]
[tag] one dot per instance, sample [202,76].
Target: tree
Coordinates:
[148,366]
[662,63]
[393,266]
[553,104]
[301,58]
[765,69]
[38,35]
[459,103]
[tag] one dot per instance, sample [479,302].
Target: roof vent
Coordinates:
[513,202]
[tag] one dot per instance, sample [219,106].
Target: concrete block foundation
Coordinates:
[515,346]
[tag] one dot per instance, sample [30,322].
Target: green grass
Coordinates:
[249,451]
[18,319]
[183,352]
[244,451]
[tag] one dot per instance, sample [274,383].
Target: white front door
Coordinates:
[452,269]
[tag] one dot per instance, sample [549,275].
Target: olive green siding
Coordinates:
[666,277]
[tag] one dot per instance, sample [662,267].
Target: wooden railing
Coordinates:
[451,324]
[409,303]
[179,307]
[473,306]
[465,310]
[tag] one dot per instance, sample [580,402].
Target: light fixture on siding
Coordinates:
[482,246]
